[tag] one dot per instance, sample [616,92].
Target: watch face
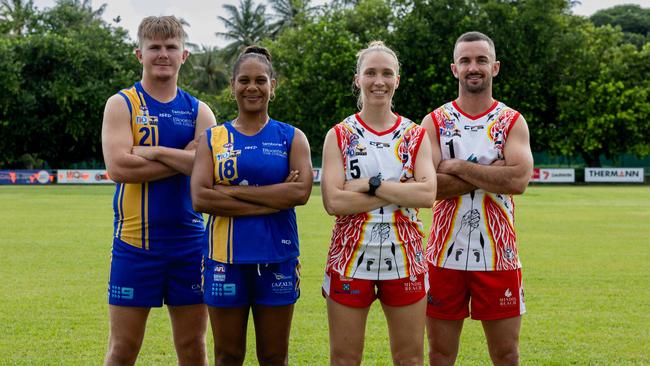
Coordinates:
[374,181]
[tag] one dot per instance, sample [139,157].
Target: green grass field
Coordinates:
[585,250]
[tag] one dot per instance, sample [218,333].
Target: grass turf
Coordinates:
[585,250]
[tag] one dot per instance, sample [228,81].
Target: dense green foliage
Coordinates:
[584,250]
[583,85]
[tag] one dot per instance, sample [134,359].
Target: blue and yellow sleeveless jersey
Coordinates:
[158,213]
[257,160]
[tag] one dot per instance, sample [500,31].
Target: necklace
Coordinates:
[236,123]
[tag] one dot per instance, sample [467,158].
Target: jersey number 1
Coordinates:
[450,143]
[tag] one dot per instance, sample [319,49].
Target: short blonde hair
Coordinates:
[163,27]
[374,46]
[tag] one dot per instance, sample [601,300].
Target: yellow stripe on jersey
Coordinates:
[224,157]
[133,201]
[225,171]
[221,239]
[120,212]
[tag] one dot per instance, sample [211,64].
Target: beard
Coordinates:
[485,83]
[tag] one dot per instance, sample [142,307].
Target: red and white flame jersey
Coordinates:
[474,231]
[385,243]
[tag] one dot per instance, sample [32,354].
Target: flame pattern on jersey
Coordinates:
[502,235]
[443,213]
[385,243]
[474,231]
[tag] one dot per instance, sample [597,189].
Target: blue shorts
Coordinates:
[235,285]
[147,278]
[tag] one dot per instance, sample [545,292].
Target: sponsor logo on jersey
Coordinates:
[165,115]
[250,147]
[474,128]
[146,120]
[379,144]
[227,155]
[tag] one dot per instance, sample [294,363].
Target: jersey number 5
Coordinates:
[355,171]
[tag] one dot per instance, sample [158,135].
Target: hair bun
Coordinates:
[376,44]
[258,50]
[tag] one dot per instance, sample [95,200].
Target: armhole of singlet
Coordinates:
[436,124]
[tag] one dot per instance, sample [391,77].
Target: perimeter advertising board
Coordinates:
[614,175]
[541,175]
[83,176]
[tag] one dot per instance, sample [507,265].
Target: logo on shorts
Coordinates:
[223,289]
[413,286]
[282,287]
[196,288]
[507,299]
[219,268]
[219,277]
[346,287]
[279,276]
[121,293]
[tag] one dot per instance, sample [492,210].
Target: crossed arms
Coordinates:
[223,200]
[341,197]
[126,163]
[509,176]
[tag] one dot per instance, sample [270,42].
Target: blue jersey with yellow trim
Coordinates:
[262,159]
[158,213]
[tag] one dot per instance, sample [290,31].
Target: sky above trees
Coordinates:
[203,19]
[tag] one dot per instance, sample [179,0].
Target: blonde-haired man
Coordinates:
[148,137]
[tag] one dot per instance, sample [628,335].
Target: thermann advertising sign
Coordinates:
[553,175]
[83,177]
[614,175]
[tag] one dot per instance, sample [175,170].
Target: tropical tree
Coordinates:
[246,25]
[15,16]
[210,74]
[633,20]
[56,84]
[288,14]
[603,104]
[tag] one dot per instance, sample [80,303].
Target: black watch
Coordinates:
[374,183]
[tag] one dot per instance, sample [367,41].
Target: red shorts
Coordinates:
[359,293]
[493,294]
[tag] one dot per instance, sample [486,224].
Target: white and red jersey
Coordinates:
[475,231]
[385,243]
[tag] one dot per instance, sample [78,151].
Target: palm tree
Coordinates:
[288,13]
[210,74]
[15,15]
[246,25]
